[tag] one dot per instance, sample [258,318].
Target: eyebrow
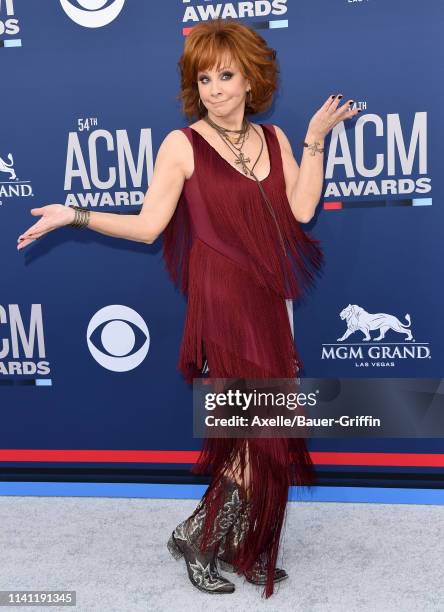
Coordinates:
[220,70]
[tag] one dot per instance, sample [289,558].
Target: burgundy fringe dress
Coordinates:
[223,249]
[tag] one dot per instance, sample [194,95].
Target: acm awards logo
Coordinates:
[22,348]
[369,350]
[198,11]
[401,155]
[92,13]
[125,171]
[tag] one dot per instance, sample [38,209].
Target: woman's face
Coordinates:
[223,91]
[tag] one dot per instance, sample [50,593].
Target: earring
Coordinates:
[200,105]
[248,96]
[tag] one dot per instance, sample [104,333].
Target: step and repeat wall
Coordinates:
[90,326]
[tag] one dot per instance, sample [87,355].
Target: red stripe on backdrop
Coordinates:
[332,205]
[175,456]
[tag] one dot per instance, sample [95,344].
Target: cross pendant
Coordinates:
[243,160]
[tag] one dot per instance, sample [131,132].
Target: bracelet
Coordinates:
[81,217]
[314,147]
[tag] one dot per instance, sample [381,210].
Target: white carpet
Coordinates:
[353,557]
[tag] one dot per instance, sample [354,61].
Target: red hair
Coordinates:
[207,45]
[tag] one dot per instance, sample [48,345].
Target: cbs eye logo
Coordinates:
[118,338]
[93,13]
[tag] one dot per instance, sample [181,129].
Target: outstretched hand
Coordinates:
[52,216]
[330,114]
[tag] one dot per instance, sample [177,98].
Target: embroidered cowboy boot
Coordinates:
[186,539]
[227,550]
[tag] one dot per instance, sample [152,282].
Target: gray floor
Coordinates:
[354,557]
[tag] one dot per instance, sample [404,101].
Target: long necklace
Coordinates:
[243,134]
[242,160]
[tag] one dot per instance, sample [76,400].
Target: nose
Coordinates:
[215,89]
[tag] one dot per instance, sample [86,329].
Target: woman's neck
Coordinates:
[230,123]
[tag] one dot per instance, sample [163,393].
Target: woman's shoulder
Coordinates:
[282,137]
[175,143]
[176,147]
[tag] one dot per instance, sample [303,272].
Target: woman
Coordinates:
[229,197]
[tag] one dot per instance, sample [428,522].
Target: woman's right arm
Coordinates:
[159,203]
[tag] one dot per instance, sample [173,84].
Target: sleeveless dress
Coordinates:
[238,264]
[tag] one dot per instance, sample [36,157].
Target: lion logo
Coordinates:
[4,167]
[359,319]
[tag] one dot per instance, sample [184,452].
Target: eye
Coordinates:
[223,75]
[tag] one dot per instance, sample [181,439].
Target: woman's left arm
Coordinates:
[304,182]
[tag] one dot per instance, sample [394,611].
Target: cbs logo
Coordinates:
[114,324]
[92,13]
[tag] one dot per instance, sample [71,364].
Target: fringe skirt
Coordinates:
[236,329]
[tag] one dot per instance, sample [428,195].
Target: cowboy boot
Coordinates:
[227,550]
[186,541]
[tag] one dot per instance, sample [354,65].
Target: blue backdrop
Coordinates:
[88,94]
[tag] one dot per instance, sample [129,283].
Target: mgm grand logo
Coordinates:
[10,185]
[375,350]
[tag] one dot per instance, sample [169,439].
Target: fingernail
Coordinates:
[359,110]
[340,96]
